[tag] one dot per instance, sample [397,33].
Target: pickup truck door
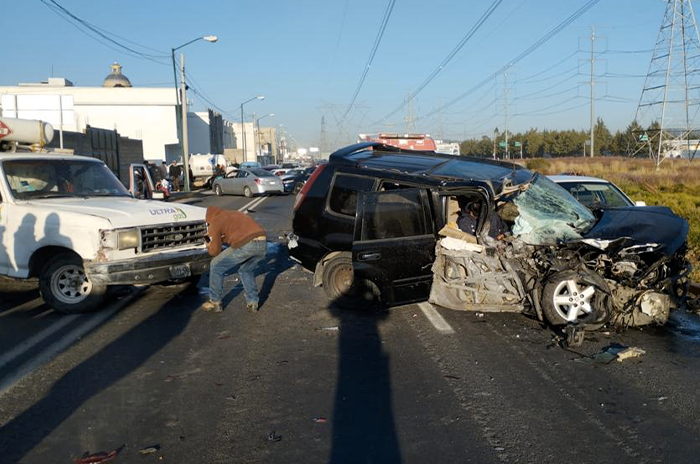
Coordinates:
[139,170]
[5,240]
[394,244]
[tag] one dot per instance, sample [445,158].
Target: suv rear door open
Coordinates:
[394,244]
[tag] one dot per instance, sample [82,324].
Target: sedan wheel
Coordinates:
[247,192]
[217,190]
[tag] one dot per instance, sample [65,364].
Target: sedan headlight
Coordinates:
[121,239]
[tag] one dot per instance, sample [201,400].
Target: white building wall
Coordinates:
[198,132]
[250,144]
[147,114]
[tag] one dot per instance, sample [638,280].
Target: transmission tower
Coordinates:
[670,100]
[410,118]
[323,142]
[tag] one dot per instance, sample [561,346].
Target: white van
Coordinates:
[203,165]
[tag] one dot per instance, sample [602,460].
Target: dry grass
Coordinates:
[676,185]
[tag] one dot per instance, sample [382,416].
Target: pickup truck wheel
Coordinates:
[217,190]
[65,287]
[247,192]
[340,285]
[573,296]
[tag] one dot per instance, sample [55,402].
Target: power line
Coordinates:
[559,63]
[480,22]
[101,33]
[561,26]
[375,46]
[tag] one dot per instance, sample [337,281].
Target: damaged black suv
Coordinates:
[383,224]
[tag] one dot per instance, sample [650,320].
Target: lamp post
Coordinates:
[181,115]
[259,97]
[257,123]
[281,145]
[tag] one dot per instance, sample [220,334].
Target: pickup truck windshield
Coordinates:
[42,178]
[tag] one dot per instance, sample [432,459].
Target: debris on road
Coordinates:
[149,449]
[334,328]
[632,352]
[452,377]
[320,420]
[99,457]
[272,436]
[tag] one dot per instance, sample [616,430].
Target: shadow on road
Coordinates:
[97,373]
[363,419]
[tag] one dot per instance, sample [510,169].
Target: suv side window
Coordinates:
[343,195]
[395,214]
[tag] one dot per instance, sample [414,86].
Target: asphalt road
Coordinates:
[413,384]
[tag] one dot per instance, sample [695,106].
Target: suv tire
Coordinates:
[340,286]
[583,288]
[65,287]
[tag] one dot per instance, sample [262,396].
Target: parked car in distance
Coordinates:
[281,171]
[248,182]
[595,193]
[295,179]
[250,165]
[381,225]
[270,167]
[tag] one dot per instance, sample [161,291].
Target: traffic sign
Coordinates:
[644,137]
[517,144]
[502,144]
[4,130]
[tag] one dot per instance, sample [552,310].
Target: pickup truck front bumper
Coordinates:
[144,270]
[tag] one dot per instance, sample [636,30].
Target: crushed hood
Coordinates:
[125,212]
[648,224]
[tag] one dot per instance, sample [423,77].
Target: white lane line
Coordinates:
[253,204]
[435,318]
[57,347]
[32,341]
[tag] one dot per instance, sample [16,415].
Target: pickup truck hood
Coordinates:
[125,212]
[645,224]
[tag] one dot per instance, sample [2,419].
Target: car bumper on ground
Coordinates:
[175,265]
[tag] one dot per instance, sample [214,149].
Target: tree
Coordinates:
[603,138]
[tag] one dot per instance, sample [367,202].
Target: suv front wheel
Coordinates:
[65,287]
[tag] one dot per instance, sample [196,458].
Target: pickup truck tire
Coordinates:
[247,192]
[65,287]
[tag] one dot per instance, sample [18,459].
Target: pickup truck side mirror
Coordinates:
[640,203]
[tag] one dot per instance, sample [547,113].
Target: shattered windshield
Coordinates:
[60,178]
[548,214]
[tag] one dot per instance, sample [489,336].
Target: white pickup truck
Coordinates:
[68,221]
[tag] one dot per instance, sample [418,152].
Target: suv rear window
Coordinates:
[394,214]
[343,196]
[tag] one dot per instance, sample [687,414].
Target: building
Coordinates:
[147,114]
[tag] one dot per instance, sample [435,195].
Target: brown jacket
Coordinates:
[230,227]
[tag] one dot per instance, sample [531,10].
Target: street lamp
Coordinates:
[259,97]
[257,123]
[179,113]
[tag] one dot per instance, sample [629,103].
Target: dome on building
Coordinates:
[116,78]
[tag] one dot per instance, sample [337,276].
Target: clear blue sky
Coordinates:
[306,57]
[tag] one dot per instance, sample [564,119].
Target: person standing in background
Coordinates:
[175,172]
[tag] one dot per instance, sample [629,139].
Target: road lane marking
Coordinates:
[7,383]
[252,204]
[435,318]
[32,341]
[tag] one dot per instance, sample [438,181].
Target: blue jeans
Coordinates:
[247,259]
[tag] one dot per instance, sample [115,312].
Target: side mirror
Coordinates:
[158,196]
[640,203]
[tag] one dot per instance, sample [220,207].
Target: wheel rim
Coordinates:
[572,299]
[343,279]
[70,285]
[217,190]
[246,192]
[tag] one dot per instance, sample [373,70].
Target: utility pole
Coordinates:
[593,37]
[323,142]
[185,141]
[505,107]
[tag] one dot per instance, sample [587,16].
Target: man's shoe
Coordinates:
[213,306]
[253,307]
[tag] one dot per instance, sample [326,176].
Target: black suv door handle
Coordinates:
[370,256]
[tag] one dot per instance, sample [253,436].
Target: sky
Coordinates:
[307,56]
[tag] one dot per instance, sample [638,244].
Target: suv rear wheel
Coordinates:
[340,285]
[65,287]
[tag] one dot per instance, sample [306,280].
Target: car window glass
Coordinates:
[242,174]
[394,214]
[389,185]
[261,173]
[343,196]
[597,194]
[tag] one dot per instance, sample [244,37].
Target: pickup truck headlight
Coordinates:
[121,239]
